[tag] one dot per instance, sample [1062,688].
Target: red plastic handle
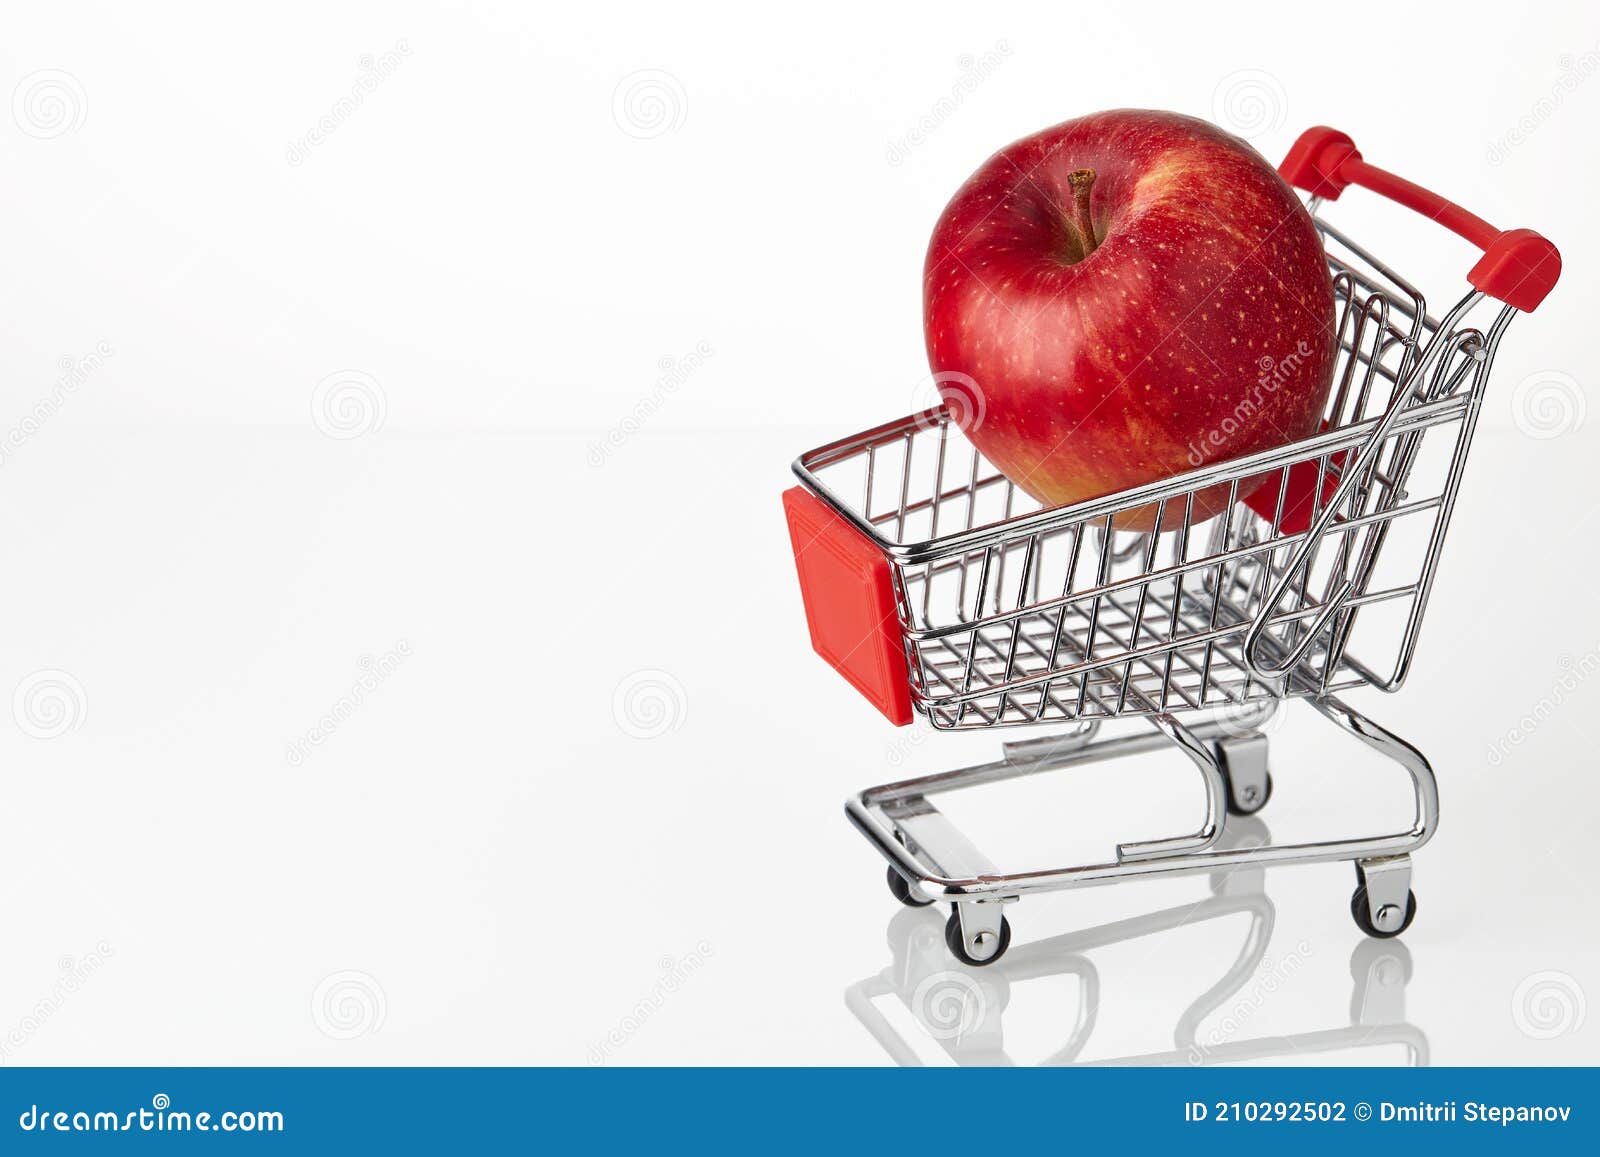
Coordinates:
[1518,266]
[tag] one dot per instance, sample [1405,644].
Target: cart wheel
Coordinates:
[902,890]
[1234,808]
[1363,915]
[958,949]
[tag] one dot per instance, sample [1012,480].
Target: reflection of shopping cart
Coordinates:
[963,1013]
[936,587]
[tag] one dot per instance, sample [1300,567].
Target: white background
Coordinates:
[496,261]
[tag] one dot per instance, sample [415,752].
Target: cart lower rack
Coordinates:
[965,1015]
[937,588]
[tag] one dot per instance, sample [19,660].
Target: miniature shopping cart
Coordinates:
[936,587]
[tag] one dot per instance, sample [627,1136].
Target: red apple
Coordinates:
[1133,294]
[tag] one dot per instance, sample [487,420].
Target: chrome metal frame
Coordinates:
[964,1014]
[940,863]
[1015,615]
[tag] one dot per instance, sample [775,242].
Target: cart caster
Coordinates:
[1393,924]
[1384,904]
[954,940]
[902,890]
[1248,799]
[1247,783]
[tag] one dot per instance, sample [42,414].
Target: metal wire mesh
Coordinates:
[1011,614]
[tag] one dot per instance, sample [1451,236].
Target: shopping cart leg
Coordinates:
[1383,904]
[978,932]
[1244,767]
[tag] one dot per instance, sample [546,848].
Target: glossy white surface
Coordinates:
[484,862]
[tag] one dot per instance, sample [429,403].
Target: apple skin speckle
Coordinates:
[1089,388]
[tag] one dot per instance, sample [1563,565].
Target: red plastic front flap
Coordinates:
[850,605]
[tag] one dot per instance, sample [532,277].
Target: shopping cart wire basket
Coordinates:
[937,587]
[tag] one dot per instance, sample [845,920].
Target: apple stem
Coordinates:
[1082,180]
